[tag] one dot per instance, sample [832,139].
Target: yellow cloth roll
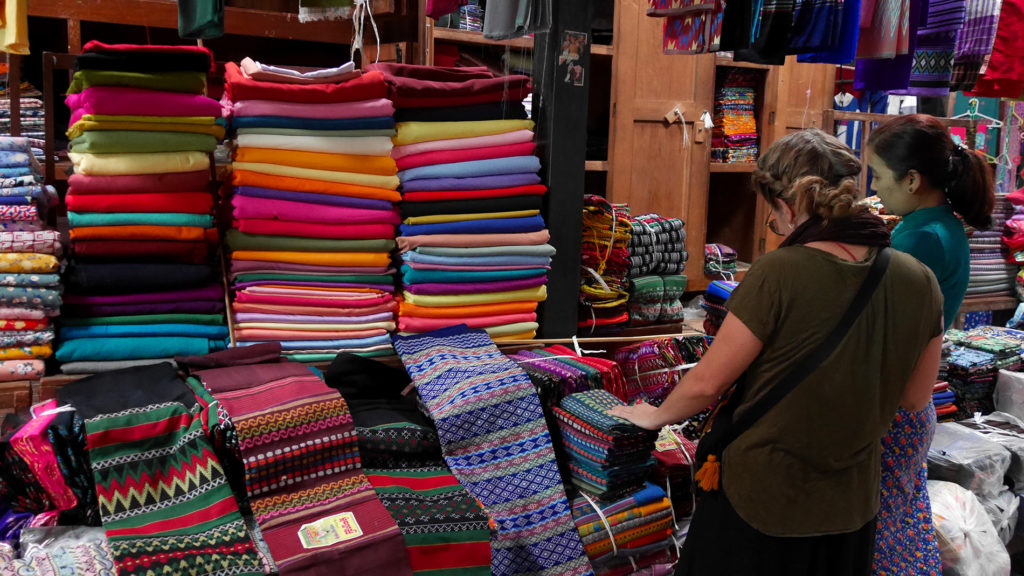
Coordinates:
[80,127]
[416,132]
[538,294]
[440,218]
[386,182]
[28,263]
[26,352]
[149,163]
[14,31]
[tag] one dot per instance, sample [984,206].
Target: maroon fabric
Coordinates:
[148,251]
[255,354]
[414,86]
[367,87]
[139,183]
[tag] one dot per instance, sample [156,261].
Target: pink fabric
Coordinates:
[254,334]
[406,243]
[468,155]
[21,314]
[316,230]
[366,302]
[333,294]
[303,319]
[250,207]
[32,444]
[415,324]
[119,101]
[515,137]
[362,109]
[425,266]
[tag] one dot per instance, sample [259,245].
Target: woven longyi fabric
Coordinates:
[497,444]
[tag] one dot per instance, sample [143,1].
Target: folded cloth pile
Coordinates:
[142,285]
[313,212]
[473,242]
[656,299]
[715,297]
[658,245]
[992,269]
[674,455]
[604,272]
[30,288]
[720,259]
[734,137]
[32,113]
[972,377]
[609,457]
[944,400]
[631,532]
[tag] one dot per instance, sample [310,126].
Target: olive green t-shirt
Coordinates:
[811,465]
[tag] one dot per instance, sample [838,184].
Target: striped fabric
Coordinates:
[495,441]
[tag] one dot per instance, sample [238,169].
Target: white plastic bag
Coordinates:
[1009,394]
[968,542]
[1008,431]
[963,456]
[1002,511]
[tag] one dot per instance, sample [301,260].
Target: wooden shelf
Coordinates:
[732,167]
[989,303]
[61,171]
[728,61]
[477,38]
[596,166]
[602,50]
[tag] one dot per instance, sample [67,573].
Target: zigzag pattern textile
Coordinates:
[163,498]
[495,441]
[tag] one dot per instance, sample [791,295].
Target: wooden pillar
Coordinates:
[560,100]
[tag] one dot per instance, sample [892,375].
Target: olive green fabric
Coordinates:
[190,82]
[140,141]
[237,240]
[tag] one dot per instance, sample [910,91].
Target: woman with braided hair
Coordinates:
[791,486]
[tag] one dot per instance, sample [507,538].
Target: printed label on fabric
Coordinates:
[330,530]
[664,444]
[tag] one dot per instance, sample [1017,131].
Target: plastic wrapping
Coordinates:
[963,456]
[968,542]
[1009,393]
[1008,431]
[1002,510]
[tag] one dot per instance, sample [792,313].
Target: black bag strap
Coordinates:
[812,361]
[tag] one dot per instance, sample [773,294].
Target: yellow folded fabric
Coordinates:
[416,132]
[28,263]
[26,352]
[150,119]
[389,326]
[538,294]
[522,336]
[514,329]
[80,127]
[439,218]
[150,163]
[386,182]
[372,259]
[14,31]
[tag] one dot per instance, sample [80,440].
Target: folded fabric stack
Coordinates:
[640,525]
[657,256]
[720,259]
[313,210]
[32,114]
[734,137]
[142,286]
[656,299]
[604,275]
[674,455]
[473,243]
[715,297]
[609,458]
[30,289]
[972,377]
[944,401]
[992,269]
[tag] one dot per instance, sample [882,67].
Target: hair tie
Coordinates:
[955,161]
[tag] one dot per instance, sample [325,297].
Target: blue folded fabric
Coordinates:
[536,261]
[144,330]
[943,398]
[16,200]
[15,159]
[473,169]
[411,276]
[45,194]
[492,226]
[376,123]
[135,348]
[328,344]
[87,219]
[16,171]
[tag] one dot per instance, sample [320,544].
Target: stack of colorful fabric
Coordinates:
[141,283]
[473,242]
[734,137]
[720,259]
[609,457]
[33,122]
[657,257]
[972,377]
[313,210]
[944,401]
[674,455]
[639,524]
[993,272]
[715,297]
[604,275]
[30,288]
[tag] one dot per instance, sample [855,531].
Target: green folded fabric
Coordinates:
[141,141]
[357,278]
[191,82]
[416,276]
[541,250]
[96,349]
[299,132]
[208,319]
[86,219]
[315,358]
[237,240]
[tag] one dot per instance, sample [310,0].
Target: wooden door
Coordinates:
[649,166]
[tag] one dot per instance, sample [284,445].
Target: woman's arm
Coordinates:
[733,350]
[922,380]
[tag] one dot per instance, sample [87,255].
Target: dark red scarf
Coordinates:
[864,229]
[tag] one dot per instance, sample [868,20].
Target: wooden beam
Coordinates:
[74,36]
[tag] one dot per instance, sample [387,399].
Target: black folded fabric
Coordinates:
[483,205]
[373,391]
[144,62]
[122,277]
[474,113]
[120,390]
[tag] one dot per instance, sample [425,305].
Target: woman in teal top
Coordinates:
[921,175]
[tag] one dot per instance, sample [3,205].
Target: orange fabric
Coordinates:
[317,258]
[380,165]
[247,178]
[142,232]
[522,336]
[407,309]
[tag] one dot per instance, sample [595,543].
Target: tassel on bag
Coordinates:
[708,475]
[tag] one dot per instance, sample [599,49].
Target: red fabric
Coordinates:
[468,155]
[441,196]
[150,251]
[139,183]
[449,556]
[315,229]
[182,202]
[438,8]
[97,46]
[414,81]
[237,87]
[1016,197]
[1004,75]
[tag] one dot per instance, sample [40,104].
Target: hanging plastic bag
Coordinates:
[963,456]
[968,542]
[1002,511]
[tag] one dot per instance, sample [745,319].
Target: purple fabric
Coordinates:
[313,198]
[476,287]
[384,285]
[252,266]
[892,74]
[210,292]
[477,183]
[298,319]
[137,309]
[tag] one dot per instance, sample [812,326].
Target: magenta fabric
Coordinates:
[334,110]
[385,284]
[252,266]
[515,137]
[475,287]
[121,101]
[424,266]
[212,292]
[368,302]
[419,324]
[267,208]
[469,155]
[316,229]
[301,319]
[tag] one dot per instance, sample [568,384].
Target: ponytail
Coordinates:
[969,188]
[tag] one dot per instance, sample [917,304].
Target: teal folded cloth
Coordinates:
[144,330]
[26,280]
[85,219]
[135,348]
[416,276]
[542,250]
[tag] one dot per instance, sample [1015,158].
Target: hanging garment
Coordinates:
[844,49]
[884,27]
[891,72]
[503,20]
[200,19]
[1003,75]
[817,26]
[697,32]
[497,444]
[974,42]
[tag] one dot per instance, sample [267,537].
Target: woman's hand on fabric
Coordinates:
[643,415]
